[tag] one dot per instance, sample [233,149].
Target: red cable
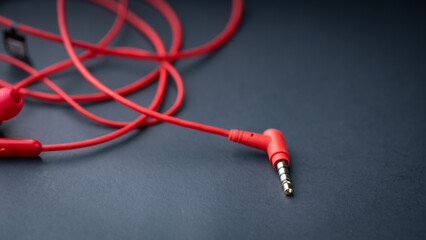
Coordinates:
[235,18]
[95,50]
[272,140]
[173,20]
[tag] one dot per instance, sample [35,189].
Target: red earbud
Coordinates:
[11,102]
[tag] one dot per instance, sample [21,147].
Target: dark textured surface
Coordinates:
[345,82]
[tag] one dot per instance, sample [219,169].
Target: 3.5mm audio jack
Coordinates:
[284,173]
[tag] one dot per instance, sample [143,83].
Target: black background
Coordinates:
[344,81]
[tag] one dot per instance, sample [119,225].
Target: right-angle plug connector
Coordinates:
[272,141]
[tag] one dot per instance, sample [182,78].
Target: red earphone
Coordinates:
[11,100]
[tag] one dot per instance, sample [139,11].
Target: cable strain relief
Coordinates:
[250,139]
[236,135]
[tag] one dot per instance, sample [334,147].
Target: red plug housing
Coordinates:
[272,141]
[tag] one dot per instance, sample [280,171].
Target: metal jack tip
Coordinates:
[284,174]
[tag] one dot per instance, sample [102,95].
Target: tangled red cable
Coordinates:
[271,140]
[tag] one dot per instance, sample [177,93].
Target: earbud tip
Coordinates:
[11,102]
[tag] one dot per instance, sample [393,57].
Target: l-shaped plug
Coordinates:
[272,141]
